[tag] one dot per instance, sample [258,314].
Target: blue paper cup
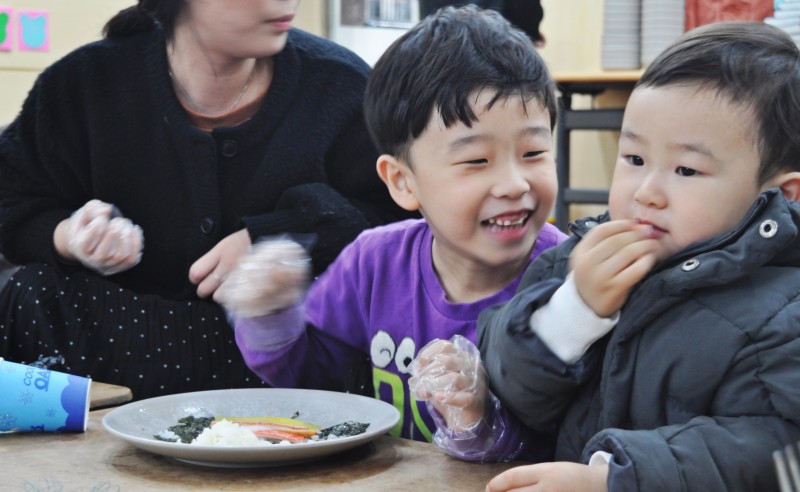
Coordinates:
[33,399]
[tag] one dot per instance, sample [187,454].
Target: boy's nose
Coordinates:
[510,182]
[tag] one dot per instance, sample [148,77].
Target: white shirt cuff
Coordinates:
[567,325]
[601,458]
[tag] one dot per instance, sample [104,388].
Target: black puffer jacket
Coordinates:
[697,384]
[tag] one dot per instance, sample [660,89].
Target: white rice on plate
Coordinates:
[227,433]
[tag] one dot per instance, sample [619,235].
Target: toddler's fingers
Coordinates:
[637,270]
[606,230]
[611,246]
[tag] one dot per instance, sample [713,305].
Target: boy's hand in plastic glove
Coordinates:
[100,238]
[450,376]
[273,277]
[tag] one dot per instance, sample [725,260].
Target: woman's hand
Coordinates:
[98,237]
[212,269]
[449,375]
[271,278]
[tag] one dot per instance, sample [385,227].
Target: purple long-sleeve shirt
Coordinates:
[380,300]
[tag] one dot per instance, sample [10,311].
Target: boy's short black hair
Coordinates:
[753,64]
[439,63]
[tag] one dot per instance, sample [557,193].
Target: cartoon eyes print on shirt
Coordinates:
[405,354]
[383,350]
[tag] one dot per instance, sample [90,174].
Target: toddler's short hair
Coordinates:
[439,63]
[753,64]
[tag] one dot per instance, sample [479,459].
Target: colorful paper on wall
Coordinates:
[33,30]
[701,12]
[6,15]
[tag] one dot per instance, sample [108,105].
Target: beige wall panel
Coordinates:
[14,87]
[573,30]
[77,22]
[72,24]
[312,16]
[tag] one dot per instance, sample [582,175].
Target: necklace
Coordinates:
[187,98]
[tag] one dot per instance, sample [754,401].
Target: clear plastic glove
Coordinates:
[273,277]
[449,375]
[100,238]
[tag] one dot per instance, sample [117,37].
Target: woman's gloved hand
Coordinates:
[100,238]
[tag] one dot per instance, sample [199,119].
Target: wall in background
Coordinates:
[70,24]
[573,31]
[77,22]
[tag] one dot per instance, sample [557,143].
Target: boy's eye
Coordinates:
[476,161]
[534,153]
[685,171]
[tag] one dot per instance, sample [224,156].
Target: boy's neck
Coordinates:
[466,281]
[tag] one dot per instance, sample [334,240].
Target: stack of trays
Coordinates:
[620,48]
[787,17]
[662,23]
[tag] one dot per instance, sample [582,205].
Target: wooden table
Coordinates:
[591,83]
[96,460]
[103,395]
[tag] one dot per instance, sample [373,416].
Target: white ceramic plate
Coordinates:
[138,422]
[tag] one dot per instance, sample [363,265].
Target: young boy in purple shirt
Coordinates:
[462,108]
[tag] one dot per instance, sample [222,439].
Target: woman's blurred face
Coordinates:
[240,28]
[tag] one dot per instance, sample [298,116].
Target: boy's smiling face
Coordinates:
[486,191]
[688,163]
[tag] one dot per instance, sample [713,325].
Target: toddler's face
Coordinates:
[687,164]
[486,191]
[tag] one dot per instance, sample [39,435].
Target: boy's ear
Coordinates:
[789,183]
[396,176]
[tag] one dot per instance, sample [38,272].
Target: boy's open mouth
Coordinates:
[511,220]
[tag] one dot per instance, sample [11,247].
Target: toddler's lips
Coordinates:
[655,231]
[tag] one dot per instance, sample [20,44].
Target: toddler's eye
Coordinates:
[531,154]
[685,171]
[636,160]
[476,161]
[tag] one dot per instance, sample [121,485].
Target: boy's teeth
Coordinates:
[507,223]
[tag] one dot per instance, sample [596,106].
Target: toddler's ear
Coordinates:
[398,178]
[789,184]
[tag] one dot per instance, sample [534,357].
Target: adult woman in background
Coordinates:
[142,166]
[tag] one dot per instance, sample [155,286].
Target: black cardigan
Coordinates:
[103,122]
